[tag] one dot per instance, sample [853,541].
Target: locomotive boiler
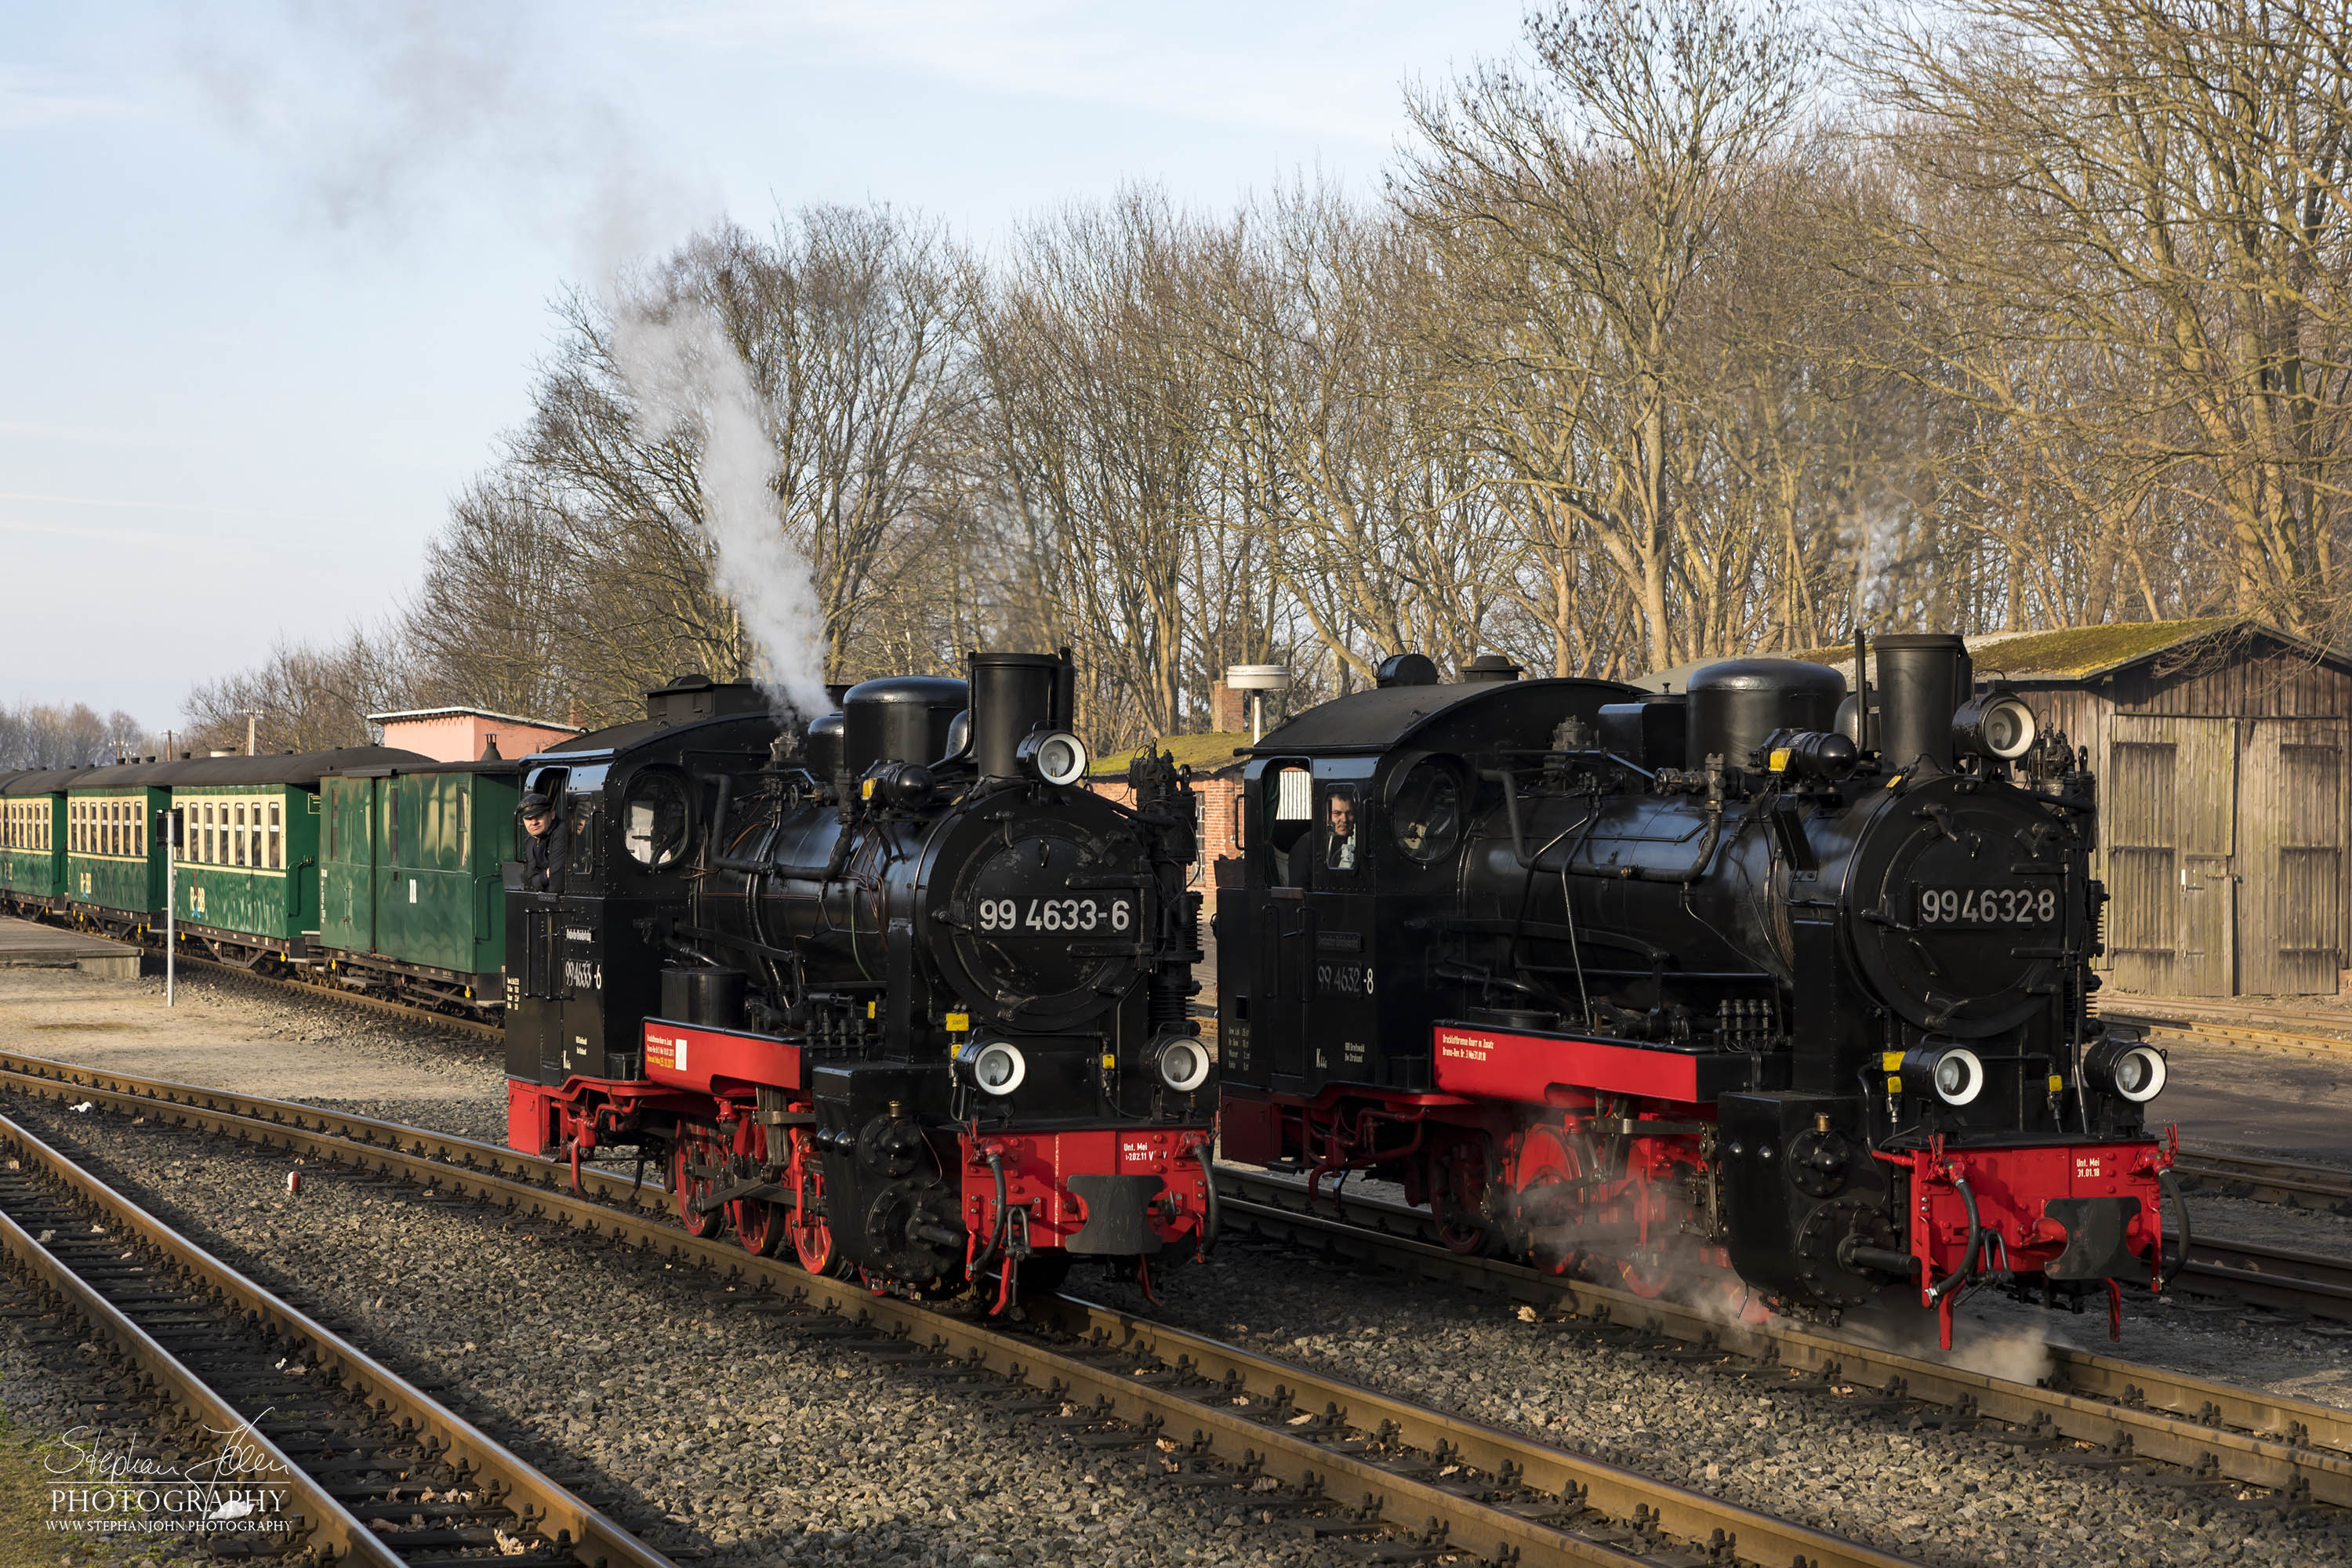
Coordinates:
[1765,974]
[893,988]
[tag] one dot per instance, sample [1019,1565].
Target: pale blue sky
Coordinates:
[272,280]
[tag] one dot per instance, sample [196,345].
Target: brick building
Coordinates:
[1216,777]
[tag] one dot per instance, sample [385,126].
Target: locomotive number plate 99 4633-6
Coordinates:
[1987,907]
[1076,916]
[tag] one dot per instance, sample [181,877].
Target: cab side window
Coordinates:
[1289,802]
[1338,840]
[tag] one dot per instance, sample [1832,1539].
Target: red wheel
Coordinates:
[1457,1195]
[694,1150]
[1549,1196]
[812,1237]
[758,1225]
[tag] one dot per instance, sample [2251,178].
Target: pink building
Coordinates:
[465,734]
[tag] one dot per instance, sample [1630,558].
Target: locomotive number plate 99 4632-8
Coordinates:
[1987,907]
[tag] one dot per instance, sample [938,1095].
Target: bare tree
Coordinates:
[2154,195]
[1588,200]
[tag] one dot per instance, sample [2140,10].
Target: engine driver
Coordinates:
[544,854]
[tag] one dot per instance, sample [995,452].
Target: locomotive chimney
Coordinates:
[1013,694]
[1923,678]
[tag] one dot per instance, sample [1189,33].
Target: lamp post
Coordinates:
[1258,679]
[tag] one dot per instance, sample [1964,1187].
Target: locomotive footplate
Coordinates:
[1540,1068]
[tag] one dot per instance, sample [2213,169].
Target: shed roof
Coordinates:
[2069,653]
[1203,753]
[2086,653]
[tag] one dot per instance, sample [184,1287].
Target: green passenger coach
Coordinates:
[114,857]
[249,864]
[33,831]
[411,887]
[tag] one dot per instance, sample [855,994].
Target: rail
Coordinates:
[191,1326]
[1346,1462]
[2120,1407]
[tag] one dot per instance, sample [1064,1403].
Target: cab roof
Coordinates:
[1380,719]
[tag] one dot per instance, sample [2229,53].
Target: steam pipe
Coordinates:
[2171,1190]
[1209,1218]
[996,1230]
[1941,1288]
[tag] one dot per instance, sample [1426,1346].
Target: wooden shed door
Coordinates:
[2291,891]
[2172,834]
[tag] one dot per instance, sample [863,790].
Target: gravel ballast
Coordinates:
[706,1427]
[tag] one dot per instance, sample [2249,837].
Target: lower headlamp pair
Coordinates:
[999,1066]
[2122,1065]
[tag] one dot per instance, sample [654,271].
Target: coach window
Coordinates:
[277,836]
[209,856]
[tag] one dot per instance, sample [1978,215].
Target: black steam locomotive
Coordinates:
[894,985]
[1761,974]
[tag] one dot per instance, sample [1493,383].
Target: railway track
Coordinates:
[301,1441]
[1298,1450]
[2284,1182]
[471,1028]
[2124,1412]
[2251,1036]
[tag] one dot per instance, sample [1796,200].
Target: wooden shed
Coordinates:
[2219,746]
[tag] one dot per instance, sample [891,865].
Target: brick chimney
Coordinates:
[1228,708]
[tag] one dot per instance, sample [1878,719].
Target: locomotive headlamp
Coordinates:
[1954,1072]
[1056,756]
[1996,725]
[2127,1066]
[996,1067]
[1183,1063]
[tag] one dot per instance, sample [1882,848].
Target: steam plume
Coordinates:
[687,378]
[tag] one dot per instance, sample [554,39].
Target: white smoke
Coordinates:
[381,112]
[687,377]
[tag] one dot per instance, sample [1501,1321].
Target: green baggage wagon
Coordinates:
[413,900]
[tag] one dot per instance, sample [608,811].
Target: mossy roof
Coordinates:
[1202,754]
[2083,653]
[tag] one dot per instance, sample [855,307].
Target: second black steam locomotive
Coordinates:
[1763,974]
[893,988]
